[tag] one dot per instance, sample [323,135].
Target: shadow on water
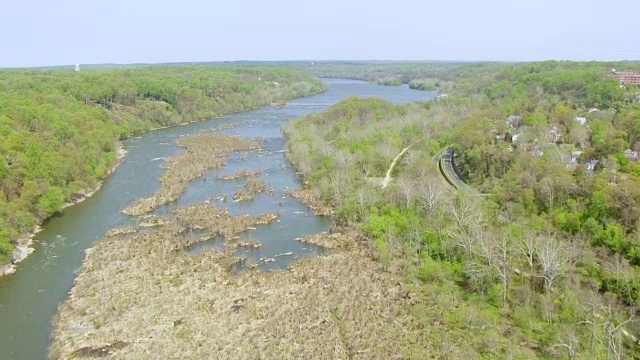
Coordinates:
[29,298]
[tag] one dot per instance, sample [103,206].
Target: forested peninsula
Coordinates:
[417,75]
[60,129]
[541,258]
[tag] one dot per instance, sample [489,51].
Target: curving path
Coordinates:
[444,158]
[388,178]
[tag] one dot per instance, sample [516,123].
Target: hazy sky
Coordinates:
[56,32]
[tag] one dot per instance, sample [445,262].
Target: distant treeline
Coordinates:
[59,128]
[420,75]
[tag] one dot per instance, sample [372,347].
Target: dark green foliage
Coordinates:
[389,82]
[423,84]
[51,201]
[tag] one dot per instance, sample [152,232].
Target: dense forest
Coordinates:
[542,259]
[59,129]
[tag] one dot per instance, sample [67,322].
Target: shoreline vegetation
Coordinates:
[60,129]
[24,246]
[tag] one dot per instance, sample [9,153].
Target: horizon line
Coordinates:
[311,61]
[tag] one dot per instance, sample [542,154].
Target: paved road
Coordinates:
[444,158]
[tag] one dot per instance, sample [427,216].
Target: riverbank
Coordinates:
[24,246]
[21,251]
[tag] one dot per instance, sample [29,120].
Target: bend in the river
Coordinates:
[29,298]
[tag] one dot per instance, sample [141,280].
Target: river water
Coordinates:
[29,297]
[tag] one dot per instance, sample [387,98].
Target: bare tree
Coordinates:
[326,149]
[393,240]
[421,168]
[387,151]
[618,265]
[363,164]
[410,157]
[363,202]
[492,257]
[591,320]
[468,228]
[612,333]
[478,273]
[501,262]
[343,158]
[414,240]
[547,188]
[431,194]
[606,330]
[466,211]
[569,346]
[579,135]
[527,247]
[553,259]
[339,185]
[406,189]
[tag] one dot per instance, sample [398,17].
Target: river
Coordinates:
[29,297]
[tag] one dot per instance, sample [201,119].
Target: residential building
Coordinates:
[626,77]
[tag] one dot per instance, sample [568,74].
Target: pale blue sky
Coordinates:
[50,32]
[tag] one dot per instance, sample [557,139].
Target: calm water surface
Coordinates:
[29,297]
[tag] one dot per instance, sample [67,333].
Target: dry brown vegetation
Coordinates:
[204,152]
[142,293]
[247,244]
[215,221]
[344,241]
[239,175]
[121,231]
[230,126]
[152,220]
[252,187]
[312,200]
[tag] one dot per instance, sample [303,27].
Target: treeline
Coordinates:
[546,265]
[419,75]
[59,129]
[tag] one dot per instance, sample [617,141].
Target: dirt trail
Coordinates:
[388,178]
